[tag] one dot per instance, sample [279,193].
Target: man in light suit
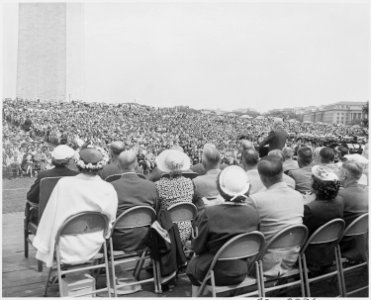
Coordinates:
[278,207]
[205,185]
[132,191]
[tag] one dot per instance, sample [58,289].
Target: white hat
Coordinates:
[62,152]
[323,173]
[233,181]
[172,161]
[357,158]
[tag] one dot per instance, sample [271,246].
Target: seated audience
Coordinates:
[132,191]
[175,188]
[326,207]
[61,159]
[219,223]
[250,159]
[278,207]
[303,175]
[205,185]
[355,197]
[74,194]
[288,162]
[113,166]
[278,154]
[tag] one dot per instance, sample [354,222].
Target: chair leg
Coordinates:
[195,289]
[139,265]
[258,281]
[261,271]
[47,282]
[306,279]
[302,281]
[213,283]
[340,272]
[39,266]
[157,276]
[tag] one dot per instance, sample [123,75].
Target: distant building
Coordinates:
[345,113]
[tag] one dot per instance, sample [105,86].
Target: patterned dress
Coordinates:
[176,190]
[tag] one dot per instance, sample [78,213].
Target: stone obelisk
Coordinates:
[50,39]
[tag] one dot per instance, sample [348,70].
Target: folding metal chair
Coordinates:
[357,229]
[328,235]
[293,236]
[47,185]
[135,217]
[184,212]
[246,246]
[80,224]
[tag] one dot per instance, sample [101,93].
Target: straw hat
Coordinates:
[324,174]
[233,182]
[173,161]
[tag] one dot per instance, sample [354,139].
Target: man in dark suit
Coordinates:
[61,159]
[132,191]
[276,138]
[113,167]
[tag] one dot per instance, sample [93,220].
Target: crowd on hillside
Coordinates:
[31,129]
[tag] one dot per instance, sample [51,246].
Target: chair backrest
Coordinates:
[186,174]
[47,185]
[328,233]
[358,227]
[182,212]
[83,223]
[242,246]
[295,235]
[113,177]
[139,216]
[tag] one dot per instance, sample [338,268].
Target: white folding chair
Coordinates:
[293,236]
[328,235]
[135,217]
[80,224]
[358,229]
[247,247]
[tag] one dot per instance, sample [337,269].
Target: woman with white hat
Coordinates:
[219,223]
[175,188]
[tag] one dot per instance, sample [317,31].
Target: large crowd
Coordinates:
[112,159]
[31,129]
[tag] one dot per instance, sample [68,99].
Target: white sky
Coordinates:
[219,55]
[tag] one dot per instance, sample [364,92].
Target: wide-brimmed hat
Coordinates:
[323,173]
[233,182]
[62,153]
[91,158]
[173,161]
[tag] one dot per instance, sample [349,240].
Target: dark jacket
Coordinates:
[171,256]
[132,191]
[276,139]
[216,225]
[316,214]
[33,193]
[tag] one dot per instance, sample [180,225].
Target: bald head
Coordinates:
[128,160]
[116,148]
[210,157]
[270,170]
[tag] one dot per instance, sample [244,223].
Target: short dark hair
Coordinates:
[327,155]
[325,190]
[305,156]
[342,150]
[271,167]
[250,156]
